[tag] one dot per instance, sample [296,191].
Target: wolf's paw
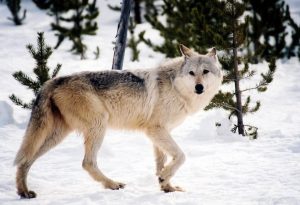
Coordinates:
[168,188]
[114,185]
[27,194]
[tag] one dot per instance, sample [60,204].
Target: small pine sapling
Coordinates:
[41,70]
[200,23]
[15,6]
[229,25]
[201,27]
[55,7]
[294,49]
[267,34]
[83,19]
[238,70]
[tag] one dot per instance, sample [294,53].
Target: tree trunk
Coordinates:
[256,40]
[137,12]
[121,36]
[239,113]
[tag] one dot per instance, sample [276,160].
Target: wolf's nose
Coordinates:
[199,88]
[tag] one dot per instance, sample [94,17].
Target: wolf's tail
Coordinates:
[39,127]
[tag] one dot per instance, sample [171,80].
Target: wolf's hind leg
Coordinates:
[55,138]
[93,140]
[21,181]
[160,159]
[162,139]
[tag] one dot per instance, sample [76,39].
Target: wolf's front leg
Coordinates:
[93,140]
[160,159]
[163,140]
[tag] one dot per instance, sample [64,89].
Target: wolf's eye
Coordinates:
[205,71]
[192,73]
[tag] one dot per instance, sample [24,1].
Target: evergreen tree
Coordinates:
[83,22]
[199,23]
[294,49]
[237,68]
[55,7]
[42,71]
[267,33]
[15,6]
[194,23]
[202,24]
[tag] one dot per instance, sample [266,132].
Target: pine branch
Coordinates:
[24,15]
[25,80]
[97,53]
[41,54]
[16,100]
[15,7]
[146,41]
[255,108]
[224,105]
[259,86]
[247,77]
[246,105]
[114,8]
[19,102]
[267,78]
[56,70]
[61,38]
[31,50]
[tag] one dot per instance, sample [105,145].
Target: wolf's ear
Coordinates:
[185,51]
[212,53]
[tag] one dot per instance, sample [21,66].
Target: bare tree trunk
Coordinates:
[239,113]
[121,36]
[256,41]
[137,11]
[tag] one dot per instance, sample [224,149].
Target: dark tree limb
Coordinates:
[137,12]
[121,36]
[239,114]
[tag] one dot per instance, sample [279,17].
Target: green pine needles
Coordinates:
[200,24]
[133,41]
[82,23]
[237,70]
[228,100]
[234,27]
[15,6]
[41,70]
[194,23]
[267,35]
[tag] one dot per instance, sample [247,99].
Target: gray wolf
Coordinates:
[151,100]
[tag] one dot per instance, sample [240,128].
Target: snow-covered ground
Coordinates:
[221,168]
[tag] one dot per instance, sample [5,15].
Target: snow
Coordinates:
[221,167]
[6,113]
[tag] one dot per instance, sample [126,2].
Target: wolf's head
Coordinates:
[199,73]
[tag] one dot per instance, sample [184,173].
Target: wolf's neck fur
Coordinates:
[174,63]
